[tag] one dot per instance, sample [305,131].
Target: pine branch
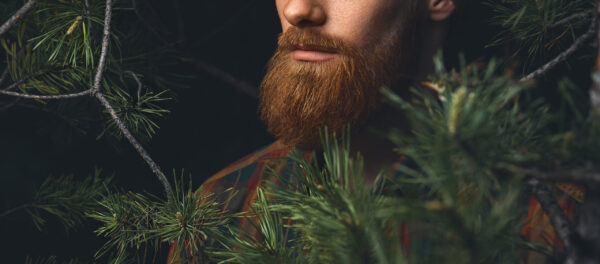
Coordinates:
[139,83]
[47,97]
[100,96]
[579,42]
[557,217]
[566,176]
[571,18]
[3,76]
[138,147]
[95,90]
[226,77]
[595,89]
[22,80]
[15,209]
[17,17]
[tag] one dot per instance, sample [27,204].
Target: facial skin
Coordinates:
[359,23]
[333,57]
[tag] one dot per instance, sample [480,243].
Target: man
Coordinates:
[333,57]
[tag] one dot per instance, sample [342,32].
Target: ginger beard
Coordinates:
[298,98]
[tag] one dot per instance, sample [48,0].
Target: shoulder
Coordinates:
[245,174]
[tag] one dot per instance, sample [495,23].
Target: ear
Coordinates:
[440,10]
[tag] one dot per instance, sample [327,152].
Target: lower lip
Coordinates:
[312,56]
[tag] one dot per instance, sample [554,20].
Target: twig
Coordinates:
[138,147]
[146,23]
[595,89]
[140,86]
[564,55]
[96,91]
[572,17]
[558,219]
[226,77]
[21,81]
[3,76]
[9,105]
[17,16]
[88,13]
[10,211]
[47,97]
[570,176]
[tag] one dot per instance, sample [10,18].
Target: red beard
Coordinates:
[298,98]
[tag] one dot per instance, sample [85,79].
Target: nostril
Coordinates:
[303,13]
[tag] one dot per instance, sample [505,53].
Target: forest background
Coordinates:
[211,122]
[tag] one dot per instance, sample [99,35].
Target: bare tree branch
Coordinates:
[47,97]
[564,55]
[572,17]
[98,93]
[557,217]
[140,86]
[3,76]
[595,89]
[138,147]
[17,16]
[12,210]
[21,81]
[226,78]
[564,176]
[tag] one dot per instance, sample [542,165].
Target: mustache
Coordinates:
[294,37]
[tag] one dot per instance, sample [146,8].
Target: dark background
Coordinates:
[211,123]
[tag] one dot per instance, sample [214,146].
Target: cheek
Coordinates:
[364,23]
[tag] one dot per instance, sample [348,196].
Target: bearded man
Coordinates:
[332,59]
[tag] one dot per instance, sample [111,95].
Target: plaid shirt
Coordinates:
[248,173]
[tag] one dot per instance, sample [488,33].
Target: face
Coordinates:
[332,58]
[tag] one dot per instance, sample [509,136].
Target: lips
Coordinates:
[310,53]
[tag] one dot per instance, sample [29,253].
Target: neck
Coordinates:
[372,142]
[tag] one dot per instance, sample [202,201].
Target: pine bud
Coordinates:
[457,99]
[74,25]
[179,219]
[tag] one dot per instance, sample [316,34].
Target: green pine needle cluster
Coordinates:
[55,51]
[138,224]
[533,29]
[66,199]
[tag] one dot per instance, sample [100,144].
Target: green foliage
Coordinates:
[531,26]
[55,51]
[66,199]
[131,221]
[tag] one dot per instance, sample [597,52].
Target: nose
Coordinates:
[304,13]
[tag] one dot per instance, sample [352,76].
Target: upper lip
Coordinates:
[313,48]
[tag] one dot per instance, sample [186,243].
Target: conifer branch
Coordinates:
[138,147]
[572,17]
[595,89]
[100,96]
[3,76]
[139,83]
[226,78]
[21,81]
[564,55]
[15,209]
[566,176]
[17,17]
[557,217]
[47,97]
